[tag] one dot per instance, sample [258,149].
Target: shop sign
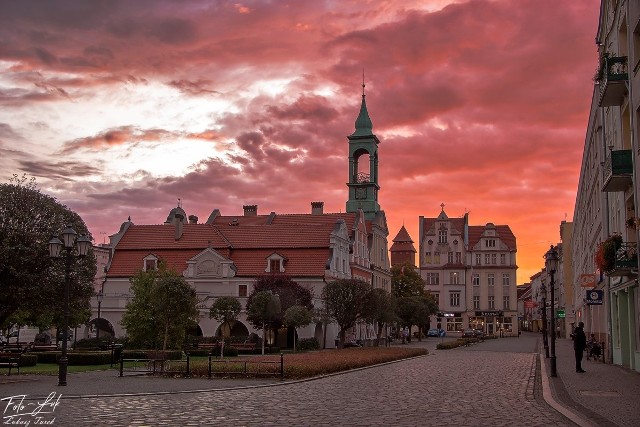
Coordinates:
[560,314]
[489,313]
[595,297]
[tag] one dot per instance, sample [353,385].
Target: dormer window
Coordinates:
[275,263]
[150,263]
[491,243]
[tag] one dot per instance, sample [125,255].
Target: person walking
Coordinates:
[579,344]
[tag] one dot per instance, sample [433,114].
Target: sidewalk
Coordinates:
[108,383]
[607,395]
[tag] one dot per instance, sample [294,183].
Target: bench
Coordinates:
[44,347]
[10,360]
[246,346]
[15,347]
[209,345]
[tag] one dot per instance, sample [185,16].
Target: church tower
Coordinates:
[363,165]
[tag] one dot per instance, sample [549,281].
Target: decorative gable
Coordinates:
[209,263]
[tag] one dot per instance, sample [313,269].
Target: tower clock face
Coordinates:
[361,193]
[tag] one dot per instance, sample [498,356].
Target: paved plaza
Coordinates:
[500,382]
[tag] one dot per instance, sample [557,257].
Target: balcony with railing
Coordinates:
[618,171]
[626,262]
[612,77]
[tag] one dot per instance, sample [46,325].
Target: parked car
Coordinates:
[433,333]
[469,333]
[479,333]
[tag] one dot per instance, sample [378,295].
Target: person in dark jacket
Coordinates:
[579,344]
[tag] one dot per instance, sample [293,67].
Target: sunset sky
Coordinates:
[119,108]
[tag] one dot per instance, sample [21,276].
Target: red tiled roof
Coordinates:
[403,236]
[249,262]
[302,239]
[502,231]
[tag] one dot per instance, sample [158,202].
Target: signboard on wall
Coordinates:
[595,297]
[587,280]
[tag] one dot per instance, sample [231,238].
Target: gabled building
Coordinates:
[225,254]
[471,271]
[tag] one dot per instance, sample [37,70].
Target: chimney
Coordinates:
[178,221]
[317,208]
[250,210]
[193,219]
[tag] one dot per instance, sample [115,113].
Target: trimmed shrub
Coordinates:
[307,344]
[75,358]
[230,351]
[89,358]
[25,359]
[47,356]
[28,360]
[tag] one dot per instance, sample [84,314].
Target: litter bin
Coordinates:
[116,352]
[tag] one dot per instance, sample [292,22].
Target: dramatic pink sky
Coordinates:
[119,108]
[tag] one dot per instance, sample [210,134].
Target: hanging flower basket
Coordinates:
[606,253]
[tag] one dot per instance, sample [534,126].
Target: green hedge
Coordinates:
[46,356]
[25,359]
[307,344]
[75,358]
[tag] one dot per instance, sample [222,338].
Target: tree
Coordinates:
[226,311]
[163,307]
[415,310]
[345,300]
[379,308]
[263,307]
[297,316]
[406,281]
[288,291]
[31,281]
[176,308]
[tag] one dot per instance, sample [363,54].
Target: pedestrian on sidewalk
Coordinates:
[579,344]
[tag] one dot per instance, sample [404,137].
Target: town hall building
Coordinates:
[223,255]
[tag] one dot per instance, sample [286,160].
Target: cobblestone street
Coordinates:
[487,384]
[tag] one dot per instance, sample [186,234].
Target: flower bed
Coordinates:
[324,362]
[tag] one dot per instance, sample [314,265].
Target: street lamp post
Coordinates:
[99,297]
[545,339]
[68,243]
[551,261]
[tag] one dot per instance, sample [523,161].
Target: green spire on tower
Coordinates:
[364,126]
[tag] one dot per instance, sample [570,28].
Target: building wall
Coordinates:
[598,214]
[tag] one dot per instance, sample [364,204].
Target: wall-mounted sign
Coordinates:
[529,303]
[489,313]
[560,314]
[595,297]
[587,280]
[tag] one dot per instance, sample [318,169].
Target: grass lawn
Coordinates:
[52,368]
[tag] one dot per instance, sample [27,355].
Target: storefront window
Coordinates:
[454,324]
[476,323]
